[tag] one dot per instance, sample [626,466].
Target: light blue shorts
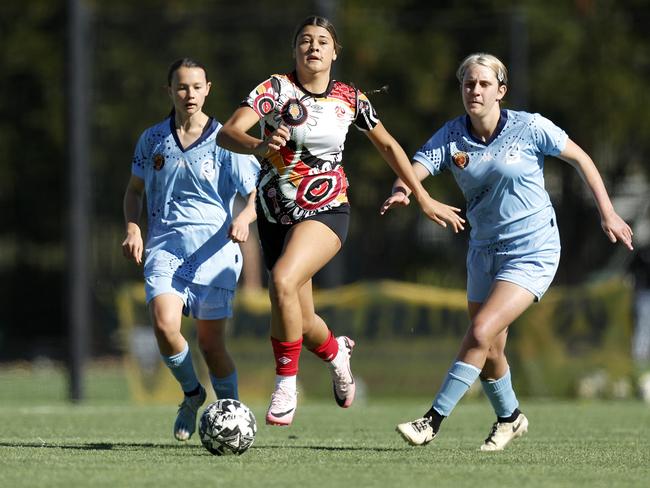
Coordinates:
[529,262]
[201,301]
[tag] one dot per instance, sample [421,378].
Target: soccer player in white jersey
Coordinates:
[497,159]
[192,256]
[302,199]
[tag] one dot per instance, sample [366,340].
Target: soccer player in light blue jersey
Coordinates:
[497,159]
[192,256]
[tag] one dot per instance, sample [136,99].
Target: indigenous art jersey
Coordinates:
[190,194]
[502,180]
[306,176]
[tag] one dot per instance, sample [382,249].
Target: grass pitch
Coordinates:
[108,442]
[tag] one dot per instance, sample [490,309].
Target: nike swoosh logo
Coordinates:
[282,414]
[515,428]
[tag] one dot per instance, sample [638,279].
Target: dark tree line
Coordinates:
[584,64]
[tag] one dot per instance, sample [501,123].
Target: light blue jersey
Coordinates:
[190,195]
[503,180]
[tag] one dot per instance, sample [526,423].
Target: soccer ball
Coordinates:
[227,427]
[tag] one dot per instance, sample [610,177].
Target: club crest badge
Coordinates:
[461,159]
[294,112]
[158,161]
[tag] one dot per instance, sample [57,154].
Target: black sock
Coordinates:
[435,419]
[510,419]
[195,391]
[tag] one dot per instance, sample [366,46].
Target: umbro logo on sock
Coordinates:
[284,360]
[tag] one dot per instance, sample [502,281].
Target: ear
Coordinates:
[501,92]
[334,56]
[207,88]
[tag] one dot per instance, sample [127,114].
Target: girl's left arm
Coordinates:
[613,225]
[396,158]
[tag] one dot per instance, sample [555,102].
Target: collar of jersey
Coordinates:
[293,76]
[208,130]
[503,118]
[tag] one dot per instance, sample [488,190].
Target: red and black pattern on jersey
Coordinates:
[306,176]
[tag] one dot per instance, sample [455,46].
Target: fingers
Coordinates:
[392,201]
[132,250]
[238,233]
[279,138]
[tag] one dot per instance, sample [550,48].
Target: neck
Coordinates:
[187,123]
[484,126]
[314,82]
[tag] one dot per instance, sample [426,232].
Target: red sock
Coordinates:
[287,355]
[328,349]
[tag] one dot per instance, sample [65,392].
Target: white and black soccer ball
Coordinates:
[227,427]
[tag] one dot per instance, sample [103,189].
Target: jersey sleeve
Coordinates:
[366,118]
[141,155]
[549,138]
[244,171]
[434,154]
[263,98]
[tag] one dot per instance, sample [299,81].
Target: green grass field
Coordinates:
[110,442]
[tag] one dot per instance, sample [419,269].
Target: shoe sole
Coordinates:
[273,421]
[347,402]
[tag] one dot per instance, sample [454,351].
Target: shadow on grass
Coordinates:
[97,446]
[109,446]
[329,448]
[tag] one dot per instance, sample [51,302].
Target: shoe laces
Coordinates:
[282,398]
[342,376]
[490,437]
[421,425]
[190,404]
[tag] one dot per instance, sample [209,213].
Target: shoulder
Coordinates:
[520,117]
[161,129]
[345,92]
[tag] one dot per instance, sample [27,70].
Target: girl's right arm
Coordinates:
[133,246]
[234,134]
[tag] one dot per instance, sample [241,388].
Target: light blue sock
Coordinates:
[183,370]
[225,387]
[501,395]
[458,380]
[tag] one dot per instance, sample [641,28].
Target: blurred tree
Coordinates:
[587,64]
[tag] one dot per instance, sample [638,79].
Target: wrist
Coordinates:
[132,228]
[400,189]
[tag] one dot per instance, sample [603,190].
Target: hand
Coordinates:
[239,230]
[617,229]
[396,199]
[275,141]
[132,247]
[442,214]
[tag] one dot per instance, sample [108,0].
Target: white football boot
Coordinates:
[283,406]
[185,424]
[504,432]
[418,432]
[342,379]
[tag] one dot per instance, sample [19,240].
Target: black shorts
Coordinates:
[272,236]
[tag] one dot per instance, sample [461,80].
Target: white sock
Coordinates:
[286,382]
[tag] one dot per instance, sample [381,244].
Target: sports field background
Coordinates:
[111,442]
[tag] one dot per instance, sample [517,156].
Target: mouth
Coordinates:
[313,58]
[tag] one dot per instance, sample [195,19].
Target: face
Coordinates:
[315,50]
[188,90]
[481,90]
